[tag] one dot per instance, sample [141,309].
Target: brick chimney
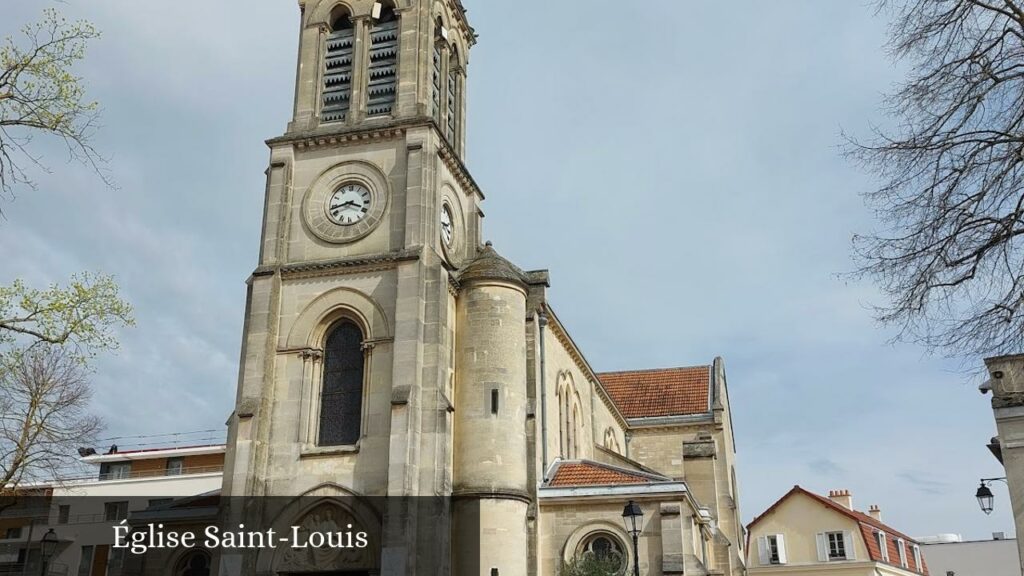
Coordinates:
[875,512]
[841,497]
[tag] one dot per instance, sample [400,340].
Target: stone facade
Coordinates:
[1006,382]
[472,389]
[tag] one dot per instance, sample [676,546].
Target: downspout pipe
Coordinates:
[542,322]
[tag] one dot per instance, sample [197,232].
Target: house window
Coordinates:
[85,564]
[115,511]
[337,83]
[341,395]
[901,547]
[175,466]
[772,549]
[836,546]
[382,78]
[12,533]
[63,514]
[115,470]
[917,558]
[883,545]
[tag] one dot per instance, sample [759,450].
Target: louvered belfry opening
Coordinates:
[383,71]
[435,78]
[453,93]
[337,94]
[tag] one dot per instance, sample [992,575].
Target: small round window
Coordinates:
[604,549]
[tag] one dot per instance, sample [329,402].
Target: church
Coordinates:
[390,352]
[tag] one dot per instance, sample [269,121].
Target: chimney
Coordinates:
[875,512]
[841,497]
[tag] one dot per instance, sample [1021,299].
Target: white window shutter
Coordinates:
[762,550]
[782,548]
[848,544]
[822,547]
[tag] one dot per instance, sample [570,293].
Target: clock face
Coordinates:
[349,204]
[447,228]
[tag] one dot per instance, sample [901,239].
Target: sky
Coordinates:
[674,165]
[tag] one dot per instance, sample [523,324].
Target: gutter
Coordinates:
[542,322]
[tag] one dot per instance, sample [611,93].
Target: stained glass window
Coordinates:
[341,396]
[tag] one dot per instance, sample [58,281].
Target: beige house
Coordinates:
[804,533]
[389,351]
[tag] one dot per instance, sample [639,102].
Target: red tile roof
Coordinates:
[588,473]
[868,528]
[662,392]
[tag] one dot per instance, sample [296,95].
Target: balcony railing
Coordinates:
[33,567]
[158,473]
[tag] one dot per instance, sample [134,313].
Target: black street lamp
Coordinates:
[985,496]
[47,546]
[633,518]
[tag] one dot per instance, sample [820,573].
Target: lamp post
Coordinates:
[985,496]
[633,518]
[47,546]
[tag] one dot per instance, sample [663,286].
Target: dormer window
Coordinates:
[337,85]
[382,77]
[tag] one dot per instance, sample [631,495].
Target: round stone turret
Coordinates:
[490,480]
[489,265]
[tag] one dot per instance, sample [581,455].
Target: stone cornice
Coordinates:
[574,352]
[329,267]
[457,168]
[343,135]
[339,135]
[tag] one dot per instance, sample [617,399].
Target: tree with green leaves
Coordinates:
[590,564]
[40,95]
[48,337]
[81,316]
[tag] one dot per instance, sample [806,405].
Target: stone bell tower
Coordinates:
[347,375]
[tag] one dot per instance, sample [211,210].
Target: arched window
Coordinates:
[611,442]
[382,78]
[195,563]
[570,419]
[605,547]
[337,89]
[341,395]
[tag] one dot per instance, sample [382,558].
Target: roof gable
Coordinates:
[868,528]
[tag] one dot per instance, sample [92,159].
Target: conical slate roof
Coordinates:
[489,265]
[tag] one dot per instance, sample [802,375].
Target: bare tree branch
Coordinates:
[948,255]
[44,416]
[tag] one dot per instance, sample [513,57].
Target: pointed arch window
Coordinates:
[341,395]
[337,88]
[382,77]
